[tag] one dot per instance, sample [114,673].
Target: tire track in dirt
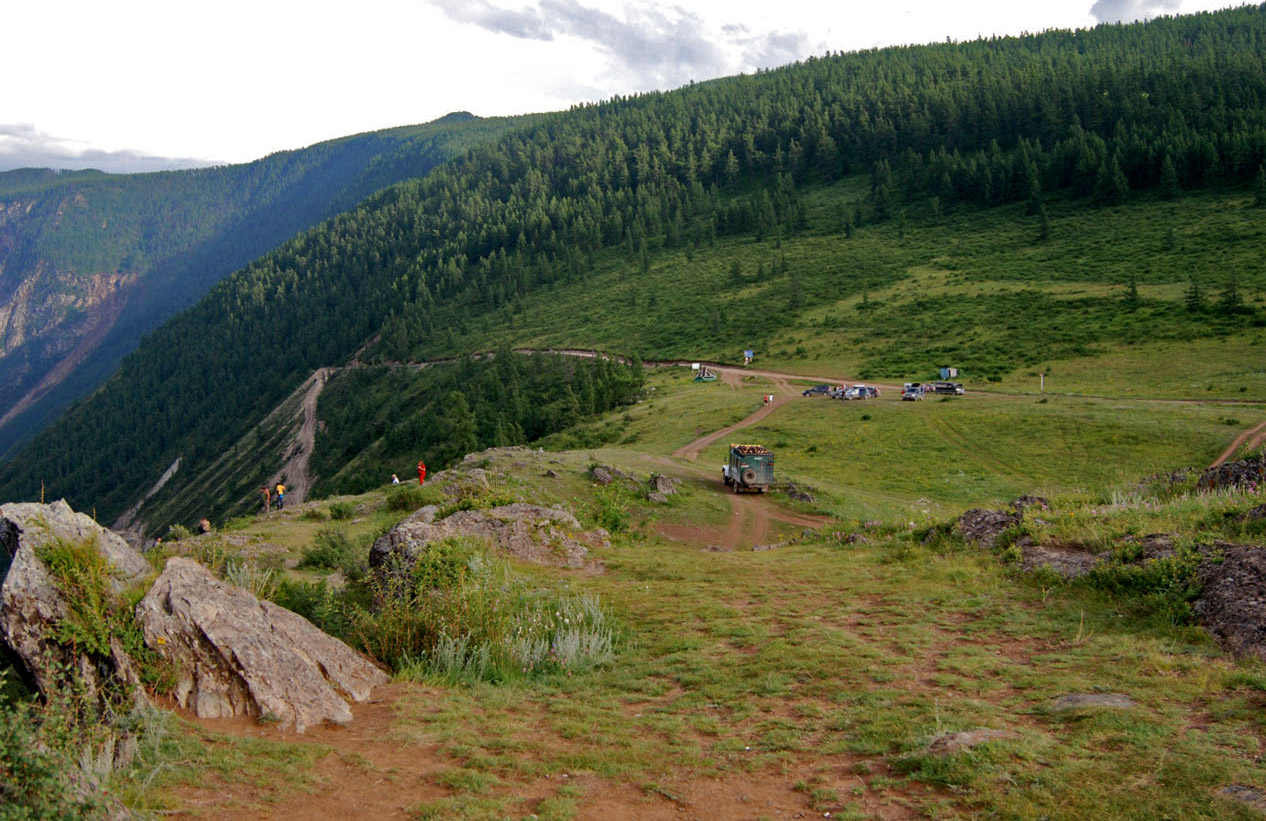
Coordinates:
[1253,437]
[295,459]
[751,515]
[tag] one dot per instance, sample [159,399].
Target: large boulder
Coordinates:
[1242,474]
[983,527]
[542,535]
[1232,603]
[33,607]
[238,655]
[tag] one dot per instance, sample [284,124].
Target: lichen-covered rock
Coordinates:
[1091,701]
[798,493]
[1068,561]
[239,655]
[542,535]
[1026,501]
[1232,603]
[32,606]
[983,527]
[949,743]
[41,524]
[1243,474]
[664,485]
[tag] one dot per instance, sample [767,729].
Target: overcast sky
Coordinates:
[137,85]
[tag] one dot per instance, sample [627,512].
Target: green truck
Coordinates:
[750,469]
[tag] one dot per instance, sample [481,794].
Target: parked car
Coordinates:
[817,390]
[912,393]
[861,392]
[951,388]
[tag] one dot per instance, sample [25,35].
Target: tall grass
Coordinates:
[464,615]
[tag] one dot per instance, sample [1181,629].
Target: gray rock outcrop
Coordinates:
[1243,473]
[949,743]
[239,655]
[983,527]
[1232,602]
[541,535]
[1090,701]
[33,606]
[1070,561]
[663,485]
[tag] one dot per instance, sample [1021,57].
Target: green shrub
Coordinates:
[411,497]
[610,509]
[340,511]
[37,754]
[95,615]
[334,551]
[464,615]
[1161,587]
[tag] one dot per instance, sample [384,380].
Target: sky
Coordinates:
[143,85]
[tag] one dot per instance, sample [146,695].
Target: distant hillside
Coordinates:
[998,204]
[89,262]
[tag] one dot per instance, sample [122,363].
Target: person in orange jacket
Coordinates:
[421,472]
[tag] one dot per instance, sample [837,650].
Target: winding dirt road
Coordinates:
[299,480]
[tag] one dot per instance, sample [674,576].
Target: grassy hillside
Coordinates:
[811,678]
[830,213]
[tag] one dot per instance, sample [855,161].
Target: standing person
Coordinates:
[281,496]
[421,472]
[268,497]
[395,480]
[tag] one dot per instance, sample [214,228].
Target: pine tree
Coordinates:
[1194,297]
[1230,302]
[1111,186]
[1034,183]
[1132,294]
[1169,188]
[1259,187]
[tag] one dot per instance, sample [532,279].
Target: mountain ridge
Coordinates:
[175,233]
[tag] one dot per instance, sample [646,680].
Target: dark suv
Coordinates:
[817,390]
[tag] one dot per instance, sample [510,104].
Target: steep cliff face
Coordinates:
[54,309]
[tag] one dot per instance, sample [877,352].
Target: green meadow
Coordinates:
[815,677]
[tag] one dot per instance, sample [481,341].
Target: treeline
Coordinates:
[1170,104]
[421,263]
[381,420]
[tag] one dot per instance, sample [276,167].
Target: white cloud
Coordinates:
[1126,11]
[22,145]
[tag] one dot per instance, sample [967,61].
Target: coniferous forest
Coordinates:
[593,201]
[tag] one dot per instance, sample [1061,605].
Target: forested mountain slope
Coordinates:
[91,261]
[1000,177]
